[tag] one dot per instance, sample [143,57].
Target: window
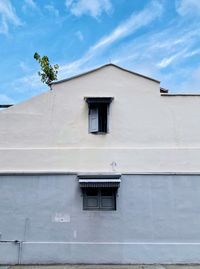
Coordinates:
[99,199]
[99,191]
[98,114]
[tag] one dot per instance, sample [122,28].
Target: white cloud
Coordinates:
[168,60]
[26,83]
[126,28]
[192,79]
[7,16]
[189,80]
[24,67]
[179,46]
[52,9]
[79,35]
[92,7]
[149,53]
[134,22]
[184,7]
[30,3]
[5,99]
[32,82]
[172,44]
[163,53]
[192,53]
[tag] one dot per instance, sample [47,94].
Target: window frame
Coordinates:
[99,198]
[98,107]
[94,104]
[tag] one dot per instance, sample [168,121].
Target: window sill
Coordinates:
[98,133]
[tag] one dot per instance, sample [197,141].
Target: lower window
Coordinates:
[99,198]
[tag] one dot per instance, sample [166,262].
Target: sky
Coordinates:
[158,38]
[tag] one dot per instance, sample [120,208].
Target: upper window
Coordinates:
[98,114]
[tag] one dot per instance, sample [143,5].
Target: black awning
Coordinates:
[98,100]
[99,181]
[97,184]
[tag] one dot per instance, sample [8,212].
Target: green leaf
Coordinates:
[48,73]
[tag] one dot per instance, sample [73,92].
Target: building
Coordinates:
[103,168]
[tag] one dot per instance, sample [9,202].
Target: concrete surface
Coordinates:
[157,221]
[147,131]
[98,266]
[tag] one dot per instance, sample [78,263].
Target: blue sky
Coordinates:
[158,38]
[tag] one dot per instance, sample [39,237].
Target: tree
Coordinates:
[48,72]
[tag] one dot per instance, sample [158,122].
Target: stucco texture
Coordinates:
[157,221]
[147,131]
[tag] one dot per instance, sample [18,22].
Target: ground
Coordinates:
[157,266]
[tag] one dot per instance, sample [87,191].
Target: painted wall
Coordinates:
[157,221]
[148,132]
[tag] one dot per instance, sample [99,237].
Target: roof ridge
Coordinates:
[103,66]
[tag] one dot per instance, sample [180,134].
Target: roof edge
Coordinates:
[5,105]
[101,67]
[79,174]
[180,94]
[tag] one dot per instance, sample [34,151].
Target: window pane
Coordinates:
[103,118]
[107,202]
[99,199]
[108,198]
[91,192]
[107,191]
[91,198]
[92,202]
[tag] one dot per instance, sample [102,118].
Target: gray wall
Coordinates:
[157,221]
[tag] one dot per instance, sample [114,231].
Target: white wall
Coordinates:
[148,132]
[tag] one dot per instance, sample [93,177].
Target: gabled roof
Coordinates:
[101,67]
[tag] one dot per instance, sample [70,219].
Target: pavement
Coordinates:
[97,266]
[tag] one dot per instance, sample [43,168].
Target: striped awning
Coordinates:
[102,181]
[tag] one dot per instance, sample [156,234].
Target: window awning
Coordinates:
[102,181]
[98,100]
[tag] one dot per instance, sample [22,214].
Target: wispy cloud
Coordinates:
[8,16]
[188,80]
[161,40]
[184,7]
[162,53]
[30,3]
[124,29]
[26,83]
[22,88]
[131,24]
[157,52]
[192,53]
[179,46]
[79,35]
[181,50]
[24,67]
[93,8]
[168,60]
[51,8]
[30,6]
[163,47]
[5,99]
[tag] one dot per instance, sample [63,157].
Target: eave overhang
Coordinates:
[99,181]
